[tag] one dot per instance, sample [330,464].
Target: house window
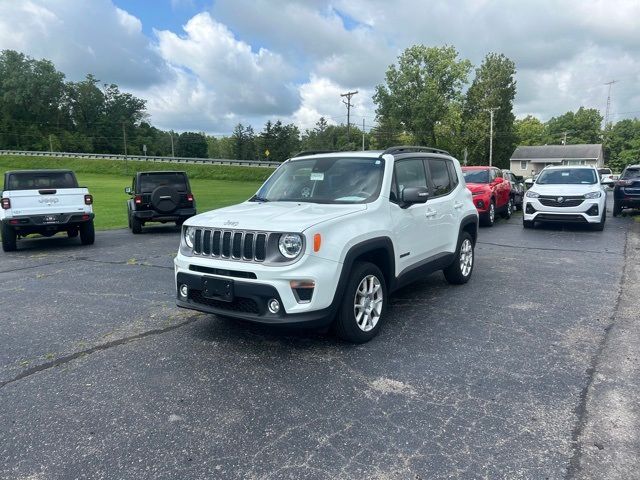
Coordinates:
[523,164]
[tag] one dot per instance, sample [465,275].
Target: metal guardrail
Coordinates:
[142,158]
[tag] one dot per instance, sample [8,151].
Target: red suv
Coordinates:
[491,193]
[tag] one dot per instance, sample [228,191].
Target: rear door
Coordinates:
[441,202]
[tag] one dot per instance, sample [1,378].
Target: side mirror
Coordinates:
[411,195]
[127,190]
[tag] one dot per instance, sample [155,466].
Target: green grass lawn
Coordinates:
[213,186]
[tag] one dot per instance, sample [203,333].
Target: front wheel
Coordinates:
[9,239]
[87,233]
[489,218]
[460,270]
[598,227]
[363,304]
[527,223]
[617,208]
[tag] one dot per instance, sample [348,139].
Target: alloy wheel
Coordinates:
[466,257]
[368,300]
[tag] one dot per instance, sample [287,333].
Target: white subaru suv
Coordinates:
[566,195]
[328,237]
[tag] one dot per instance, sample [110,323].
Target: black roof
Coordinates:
[39,170]
[581,151]
[160,171]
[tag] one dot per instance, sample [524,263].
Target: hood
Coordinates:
[564,189]
[273,216]
[478,187]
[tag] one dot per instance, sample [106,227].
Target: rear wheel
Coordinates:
[363,304]
[87,233]
[489,218]
[460,270]
[9,237]
[617,208]
[72,232]
[180,221]
[136,225]
[508,209]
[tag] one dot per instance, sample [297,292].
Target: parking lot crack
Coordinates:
[547,249]
[96,348]
[128,262]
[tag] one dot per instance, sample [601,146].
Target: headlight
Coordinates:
[290,245]
[596,194]
[532,194]
[189,236]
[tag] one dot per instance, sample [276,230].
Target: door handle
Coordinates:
[458,205]
[431,213]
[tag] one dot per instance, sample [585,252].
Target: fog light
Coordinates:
[273,305]
[184,290]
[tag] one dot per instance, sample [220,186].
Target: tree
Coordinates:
[583,126]
[494,86]
[530,131]
[622,143]
[192,145]
[419,91]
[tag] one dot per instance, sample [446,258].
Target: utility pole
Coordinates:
[606,115]
[50,143]
[173,153]
[124,139]
[491,111]
[348,103]
[363,134]
[564,140]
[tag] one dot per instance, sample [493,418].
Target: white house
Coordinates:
[529,160]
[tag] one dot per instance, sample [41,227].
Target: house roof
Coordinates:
[558,152]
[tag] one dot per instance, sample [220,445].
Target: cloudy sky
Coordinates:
[206,65]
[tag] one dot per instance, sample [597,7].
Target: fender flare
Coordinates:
[470,219]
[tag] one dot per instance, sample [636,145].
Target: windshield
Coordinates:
[150,181]
[631,173]
[37,180]
[568,176]
[325,180]
[476,176]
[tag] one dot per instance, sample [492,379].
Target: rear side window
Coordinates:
[631,173]
[453,175]
[149,182]
[38,180]
[439,174]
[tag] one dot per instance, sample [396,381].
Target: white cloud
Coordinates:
[80,38]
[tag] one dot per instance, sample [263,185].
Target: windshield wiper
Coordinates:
[256,198]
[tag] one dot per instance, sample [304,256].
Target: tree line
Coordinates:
[427,98]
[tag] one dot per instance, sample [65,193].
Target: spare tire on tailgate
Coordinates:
[165,199]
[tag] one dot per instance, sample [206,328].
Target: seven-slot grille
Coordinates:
[231,244]
[560,201]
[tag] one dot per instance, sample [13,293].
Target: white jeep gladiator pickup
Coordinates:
[44,202]
[328,237]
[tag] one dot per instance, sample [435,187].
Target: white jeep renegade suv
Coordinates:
[328,237]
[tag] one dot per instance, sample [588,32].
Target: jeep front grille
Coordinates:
[231,244]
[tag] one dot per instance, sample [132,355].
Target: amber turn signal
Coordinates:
[317,241]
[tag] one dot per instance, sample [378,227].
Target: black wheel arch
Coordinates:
[469,224]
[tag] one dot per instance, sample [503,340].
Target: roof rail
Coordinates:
[312,152]
[412,149]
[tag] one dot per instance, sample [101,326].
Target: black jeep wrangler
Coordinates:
[159,197]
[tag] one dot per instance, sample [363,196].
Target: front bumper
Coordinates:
[589,211]
[255,284]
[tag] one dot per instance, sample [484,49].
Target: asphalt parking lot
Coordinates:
[102,377]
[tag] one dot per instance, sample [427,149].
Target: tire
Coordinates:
[87,233]
[72,232]
[617,208]
[598,227]
[9,239]
[528,224]
[363,275]
[460,270]
[136,225]
[488,219]
[509,210]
